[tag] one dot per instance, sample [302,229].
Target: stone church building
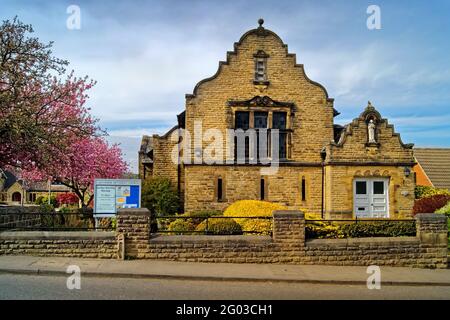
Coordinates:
[362,169]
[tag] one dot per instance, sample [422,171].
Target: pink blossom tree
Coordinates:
[85,160]
[41,109]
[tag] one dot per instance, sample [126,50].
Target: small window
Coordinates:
[361,187]
[262,189]
[260,69]
[303,189]
[378,187]
[219,189]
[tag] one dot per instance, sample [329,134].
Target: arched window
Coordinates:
[16,197]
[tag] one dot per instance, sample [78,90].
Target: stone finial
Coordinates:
[261,22]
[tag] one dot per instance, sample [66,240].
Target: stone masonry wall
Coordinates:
[288,245]
[285,246]
[86,244]
[427,250]
[283,188]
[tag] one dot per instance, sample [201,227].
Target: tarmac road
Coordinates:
[54,287]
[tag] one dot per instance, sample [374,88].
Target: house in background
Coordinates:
[362,169]
[433,167]
[14,191]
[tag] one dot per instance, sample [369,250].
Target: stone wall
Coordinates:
[427,250]
[283,188]
[284,247]
[86,244]
[288,245]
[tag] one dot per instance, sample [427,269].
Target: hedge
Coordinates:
[428,191]
[328,230]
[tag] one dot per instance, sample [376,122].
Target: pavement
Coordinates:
[159,269]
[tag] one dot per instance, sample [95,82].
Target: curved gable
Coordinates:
[258,32]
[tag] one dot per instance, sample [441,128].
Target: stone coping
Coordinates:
[288,214]
[431,217]
[57,235]
[209,238]
[355,241]
[133,212]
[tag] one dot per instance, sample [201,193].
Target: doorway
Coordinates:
[371,197]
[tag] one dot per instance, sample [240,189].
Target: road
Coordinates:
[54,287]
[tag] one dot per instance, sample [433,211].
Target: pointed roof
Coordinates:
[436,164]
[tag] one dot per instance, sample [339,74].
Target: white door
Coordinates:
[371,198]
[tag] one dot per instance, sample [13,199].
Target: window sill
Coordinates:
[261,82]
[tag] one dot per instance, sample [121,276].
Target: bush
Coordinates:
[430,204]
[159,196]
[327,230]
[67,198]
[199,216]
[180,226]
[322,230]
[428,191]
[46,208]
[380,229]
[44,200]
[253,208]
[220,226]
[444,210]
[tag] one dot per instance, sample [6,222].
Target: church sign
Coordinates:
[113,194]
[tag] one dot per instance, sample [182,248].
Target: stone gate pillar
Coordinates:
[289,234]
[134,226]
[432,231]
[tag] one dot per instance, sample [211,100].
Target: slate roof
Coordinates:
[436,164]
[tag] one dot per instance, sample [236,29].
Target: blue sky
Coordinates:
[146,55]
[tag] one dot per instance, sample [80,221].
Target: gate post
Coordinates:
[134,226]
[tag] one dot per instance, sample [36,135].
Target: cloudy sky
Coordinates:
[146,55]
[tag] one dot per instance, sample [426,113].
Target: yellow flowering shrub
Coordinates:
[253,208]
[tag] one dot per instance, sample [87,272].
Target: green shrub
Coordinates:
[428,191]
[160,197]
[444,210]
[44,200]
[220,226]
[199,216]
[180,226]
[322,230]
[46,208]
[380,229]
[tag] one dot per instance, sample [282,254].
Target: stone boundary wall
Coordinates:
[427,250]
[285,246]
[133,240]
[84,244]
